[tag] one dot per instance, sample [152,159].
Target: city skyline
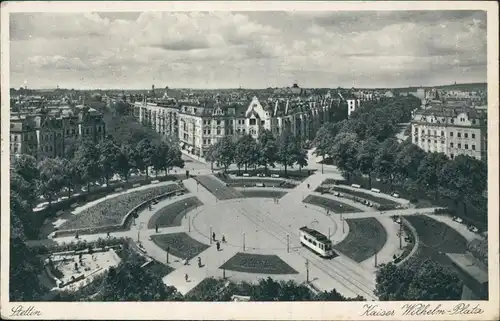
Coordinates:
[248,49]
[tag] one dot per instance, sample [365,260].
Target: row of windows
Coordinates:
[207,122]
[466,146]
[459,135]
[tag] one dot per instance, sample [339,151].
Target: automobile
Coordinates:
[394,194]
[474,229]
[179,193]
[337,194]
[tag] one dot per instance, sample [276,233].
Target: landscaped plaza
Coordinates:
[245,228]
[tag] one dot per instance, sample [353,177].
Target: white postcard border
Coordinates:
[258,310]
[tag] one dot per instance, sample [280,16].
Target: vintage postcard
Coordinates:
[250,160]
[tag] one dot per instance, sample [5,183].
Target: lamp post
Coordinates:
[288,243]
[400,232]
[210,235]
[243,242]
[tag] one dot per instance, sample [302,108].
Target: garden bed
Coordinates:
[252,182]
[180,245]
[366,237]
[292,174]
[113,210]
[437,235]
[257,263]
[263,194]
[330,204]
[367,196]
[172,214]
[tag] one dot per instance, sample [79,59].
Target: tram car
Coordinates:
[316,242]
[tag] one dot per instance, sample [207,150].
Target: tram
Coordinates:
[316,242]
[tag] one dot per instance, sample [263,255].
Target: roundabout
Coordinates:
[257,224]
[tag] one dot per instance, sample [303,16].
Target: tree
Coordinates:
[429,170]
[324,139]
[418,280]
[408,160]
[246,151]
[108,154]
[462,177]
[51,178]
[174,157]
[343,153]
[144,155]
[71,176]
[210,155]
[159,160]
[385,160]
[25,266]
[224,152]
[287,149]
[87,163]
[267,149]
[366,157]
[125,160]
[26,167]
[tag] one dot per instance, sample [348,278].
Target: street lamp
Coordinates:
[307,271]
[243,242]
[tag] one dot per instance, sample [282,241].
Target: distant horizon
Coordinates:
[243,88]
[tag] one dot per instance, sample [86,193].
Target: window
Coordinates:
[451,134]
[252,121]
[451,145]
[459,145]
[262,122]
[452,156]
[466,146]
[435,141]
[15,138]
[473,135]
[428,140]
[218,122]
[473,147]
[428,132]
[466,135]
[459,135]
[416,130]
[435,133]
[219,131]
[442,133]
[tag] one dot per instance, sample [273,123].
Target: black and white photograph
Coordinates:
[345,156]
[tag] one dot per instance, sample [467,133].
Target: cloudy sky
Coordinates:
[248,49]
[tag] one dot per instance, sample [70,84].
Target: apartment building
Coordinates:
[452,131]
[45,133]
[160,115]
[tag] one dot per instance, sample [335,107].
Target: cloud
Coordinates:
[255,49]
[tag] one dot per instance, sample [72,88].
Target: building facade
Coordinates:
[45,134]
[452,131]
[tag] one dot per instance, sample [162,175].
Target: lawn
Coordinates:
[218,189]
[366,237]
[113,210]
[332,205]
[172,214]
[181,245]
[257,263]
[252,182]
[437,235]
[159,269]
[366,196]
[292,174]
[263,194]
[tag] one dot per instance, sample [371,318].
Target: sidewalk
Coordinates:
[211,260]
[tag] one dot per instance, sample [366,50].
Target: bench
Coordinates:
[246,175]
[136,185]
[356,185]
[275,175]
[259,184]
[375,190]
[155,181]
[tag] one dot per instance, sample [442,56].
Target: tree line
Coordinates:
[245,152]
[364,145]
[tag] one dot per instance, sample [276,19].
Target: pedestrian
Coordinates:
[156,228]
[186,261]
[213,236]
[76,235]
[223,239]
[199,261]
[186,277]
[218,246]
[308,186]
[108,235]
[327,212]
